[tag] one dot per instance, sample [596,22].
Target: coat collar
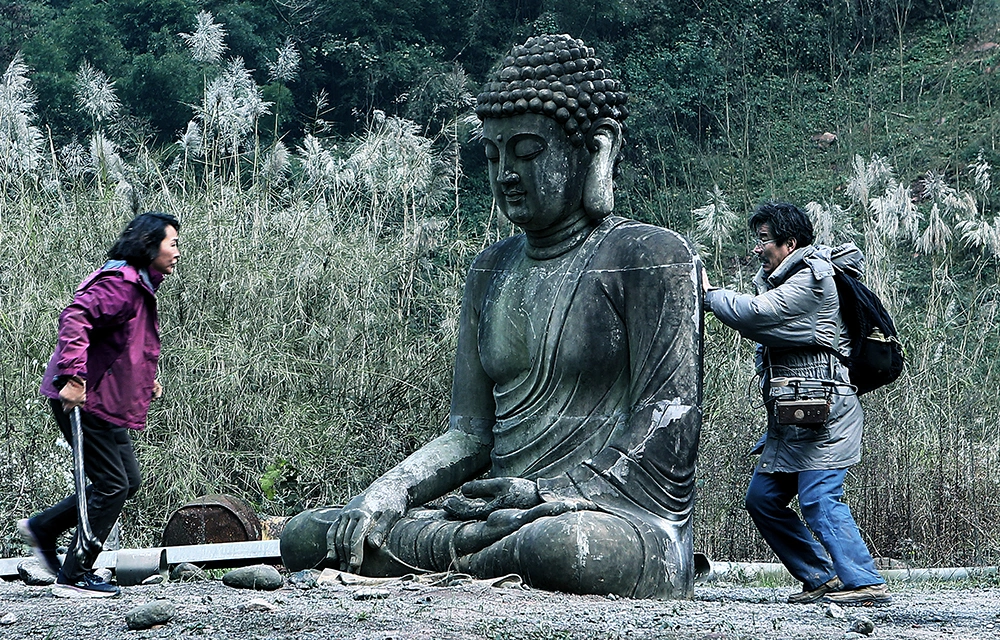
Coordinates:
[814,257]
[150,278]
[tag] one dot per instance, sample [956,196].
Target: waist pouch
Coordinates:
[802,402]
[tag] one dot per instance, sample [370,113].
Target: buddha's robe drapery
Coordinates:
[585,371]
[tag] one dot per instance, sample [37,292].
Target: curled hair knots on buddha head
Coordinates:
[559,77]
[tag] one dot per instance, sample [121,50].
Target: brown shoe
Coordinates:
[873,594]
[806,597]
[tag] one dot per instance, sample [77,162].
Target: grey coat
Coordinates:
[795,314]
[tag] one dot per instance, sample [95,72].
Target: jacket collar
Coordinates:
[150,278]
[814,257]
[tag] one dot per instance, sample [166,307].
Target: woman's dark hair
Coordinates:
[139,242]
[785,221]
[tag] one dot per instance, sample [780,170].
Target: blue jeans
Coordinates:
[840,551]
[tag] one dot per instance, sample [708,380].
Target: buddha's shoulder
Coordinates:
[638,243]
[499,252]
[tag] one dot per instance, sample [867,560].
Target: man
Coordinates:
[577,379]
[796,321]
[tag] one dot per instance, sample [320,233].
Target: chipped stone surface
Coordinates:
[259,604]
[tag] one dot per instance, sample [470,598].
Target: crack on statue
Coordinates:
[664,414]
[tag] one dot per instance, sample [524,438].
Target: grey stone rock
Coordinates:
[305,579]
[149,615]
[187,572]
[8,619]
[33,574]
[259,604]
[371,594]
[834,610]
[864,626]
[261,577]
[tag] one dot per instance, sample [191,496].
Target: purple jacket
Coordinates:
[110,336]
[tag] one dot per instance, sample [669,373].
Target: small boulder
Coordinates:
[187,572]
[305,579]
[8,619]
[825,139]
[261,577]
[864,626]
[149,615]
[260,605]
[371,594]
[33,574]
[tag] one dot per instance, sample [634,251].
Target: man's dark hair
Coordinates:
[785,221]
[139,242]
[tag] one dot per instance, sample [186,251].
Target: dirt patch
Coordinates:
[404,611]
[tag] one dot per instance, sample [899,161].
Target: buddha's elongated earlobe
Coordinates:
[604,142]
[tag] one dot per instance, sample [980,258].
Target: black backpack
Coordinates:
[876,354]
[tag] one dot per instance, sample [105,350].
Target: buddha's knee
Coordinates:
[303,540]
[581,552]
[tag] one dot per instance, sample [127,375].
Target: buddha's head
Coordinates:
[553,123]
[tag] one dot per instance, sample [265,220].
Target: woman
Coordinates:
[105,363]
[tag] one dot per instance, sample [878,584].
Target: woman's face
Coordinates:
[536,174]
[166,260]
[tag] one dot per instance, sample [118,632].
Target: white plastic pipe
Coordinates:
[751,570]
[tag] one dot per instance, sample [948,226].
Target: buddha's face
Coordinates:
[536,174]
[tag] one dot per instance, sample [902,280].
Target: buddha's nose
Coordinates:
[509,178]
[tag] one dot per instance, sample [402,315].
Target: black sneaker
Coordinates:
[88,586]
[46,556]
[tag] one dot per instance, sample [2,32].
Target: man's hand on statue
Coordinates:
[366,518]
[705,284]
[480,498]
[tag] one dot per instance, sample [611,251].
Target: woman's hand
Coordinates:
[74,393]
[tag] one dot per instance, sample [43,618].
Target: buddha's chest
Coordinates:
[545,315]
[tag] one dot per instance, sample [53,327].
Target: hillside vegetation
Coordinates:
[332,195]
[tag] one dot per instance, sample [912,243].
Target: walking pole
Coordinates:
[87,546]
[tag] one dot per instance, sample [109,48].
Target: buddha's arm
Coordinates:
[436,468]
[458,455]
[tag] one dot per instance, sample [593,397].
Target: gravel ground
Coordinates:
[402,611]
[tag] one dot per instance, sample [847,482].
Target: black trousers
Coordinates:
[109,463]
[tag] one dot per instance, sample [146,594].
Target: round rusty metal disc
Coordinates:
[212,519]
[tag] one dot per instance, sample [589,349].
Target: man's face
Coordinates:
[768,251]
[536,175]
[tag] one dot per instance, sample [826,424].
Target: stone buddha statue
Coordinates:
[575,410]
